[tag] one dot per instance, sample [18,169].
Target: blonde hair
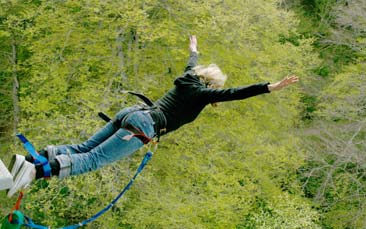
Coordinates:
[211,75]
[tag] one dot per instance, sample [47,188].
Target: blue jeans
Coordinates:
[107,145]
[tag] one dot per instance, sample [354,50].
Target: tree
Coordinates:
[335,144]
[234,167]
[349,26]
[14,19]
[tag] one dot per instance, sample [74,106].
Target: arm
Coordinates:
[193,57]
[210,95]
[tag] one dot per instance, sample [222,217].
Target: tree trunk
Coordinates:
[135,58]
[120,55]
[16,109]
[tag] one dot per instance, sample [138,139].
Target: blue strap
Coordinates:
[30,224]
[39,159]
[144,161]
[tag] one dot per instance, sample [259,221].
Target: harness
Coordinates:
[156,114]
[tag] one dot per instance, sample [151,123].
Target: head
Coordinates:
[210,75]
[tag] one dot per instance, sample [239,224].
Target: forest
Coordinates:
[289,159]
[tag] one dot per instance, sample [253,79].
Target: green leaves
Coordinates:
[235,166]
[335,148]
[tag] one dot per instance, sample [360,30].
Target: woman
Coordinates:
[134,126]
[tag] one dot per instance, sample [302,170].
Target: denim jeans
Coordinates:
[107,145]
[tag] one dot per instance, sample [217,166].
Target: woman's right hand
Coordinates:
[193,43]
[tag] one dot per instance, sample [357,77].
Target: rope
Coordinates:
[144,161]
[16,206]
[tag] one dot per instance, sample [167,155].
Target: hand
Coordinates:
[193,43]
[287,81]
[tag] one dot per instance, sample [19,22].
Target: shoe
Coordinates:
[15,164]
[25,176]
[6,179]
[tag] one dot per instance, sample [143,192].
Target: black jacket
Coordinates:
[183,103]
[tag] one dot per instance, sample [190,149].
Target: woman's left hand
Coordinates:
[287,81]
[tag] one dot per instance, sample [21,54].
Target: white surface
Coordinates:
[6,179]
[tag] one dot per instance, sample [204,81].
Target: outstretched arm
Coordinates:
[210,95]
[193,57]
[285,82]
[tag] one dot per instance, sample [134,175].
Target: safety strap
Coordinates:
[16,206]
[155,112]
[38,159]
[104,117]
[136,132]
[146,100]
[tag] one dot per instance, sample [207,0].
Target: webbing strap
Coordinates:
[144,161]
[16,206]
[38,159]
[146,100]
[33,225]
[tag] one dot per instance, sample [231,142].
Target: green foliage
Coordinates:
[344,99]
[235,167]
[310,107]
[339,27]
[334,111]
[333,176]
[14,18]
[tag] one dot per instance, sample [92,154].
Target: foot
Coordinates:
[24,177]
[6,179]
[15,164]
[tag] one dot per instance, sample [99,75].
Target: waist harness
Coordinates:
[156,114]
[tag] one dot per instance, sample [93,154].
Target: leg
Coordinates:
[112,149]
[100,136]
[50,152]
[115,148]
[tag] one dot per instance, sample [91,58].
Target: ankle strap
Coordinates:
[38,159]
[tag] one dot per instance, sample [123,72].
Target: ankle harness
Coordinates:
[38,159]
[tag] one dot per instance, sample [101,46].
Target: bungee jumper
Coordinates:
[134,126]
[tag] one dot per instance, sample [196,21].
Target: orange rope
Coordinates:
[16,206]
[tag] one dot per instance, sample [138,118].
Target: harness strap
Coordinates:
[16,206]
[146,100]
[137,133]
[104,117]
[38,159]
[156,114]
